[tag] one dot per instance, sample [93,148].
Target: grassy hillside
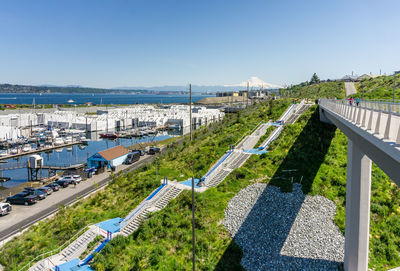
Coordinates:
[316,151]
[126,191]
[314,91]
[163,242]
[379,88]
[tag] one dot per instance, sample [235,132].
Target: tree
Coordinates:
[314,79]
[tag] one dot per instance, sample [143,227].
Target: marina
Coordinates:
[66,138]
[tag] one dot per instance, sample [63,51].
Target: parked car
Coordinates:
[62,183]
[77,178]
[54,186]
[70,179]
[132,157]
[5,208]
[22,198]
[41,195]
[45,189]
[154,150]
[142,152]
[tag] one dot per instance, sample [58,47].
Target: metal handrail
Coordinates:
[58,250]
[249,132]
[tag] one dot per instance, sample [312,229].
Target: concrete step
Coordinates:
[75,249]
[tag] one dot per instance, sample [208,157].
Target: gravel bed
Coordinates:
[284,231]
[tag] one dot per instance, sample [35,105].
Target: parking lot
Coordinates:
[22,216]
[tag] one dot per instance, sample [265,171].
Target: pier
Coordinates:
[39,150]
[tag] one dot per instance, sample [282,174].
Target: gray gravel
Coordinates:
[284,231]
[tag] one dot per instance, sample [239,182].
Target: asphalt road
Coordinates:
[7,231]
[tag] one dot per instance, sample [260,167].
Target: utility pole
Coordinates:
[394,88]
[362,93]
[194,235]
[190,109]
[248,94]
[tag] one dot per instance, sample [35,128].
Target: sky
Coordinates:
[116,43]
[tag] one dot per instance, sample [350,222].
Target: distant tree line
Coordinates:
[8,88]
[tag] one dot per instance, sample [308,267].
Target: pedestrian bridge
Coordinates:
[373,132]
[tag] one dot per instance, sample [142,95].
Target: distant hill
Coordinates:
[8,88]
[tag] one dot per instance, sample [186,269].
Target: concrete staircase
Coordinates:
[41,266]
[163,201]
[77,247]
[157,204]
[135,222]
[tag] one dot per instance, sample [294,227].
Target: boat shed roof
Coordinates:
[112,153]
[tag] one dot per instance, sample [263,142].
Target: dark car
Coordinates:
[142,152]
[39,194]
[53,186]
[132,157]
[22,198]
[45,189]
[154,150]
[62,183]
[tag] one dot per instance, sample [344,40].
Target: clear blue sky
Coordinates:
[209,42]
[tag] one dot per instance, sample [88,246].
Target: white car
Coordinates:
[77,178]
[5,208]
[71,179]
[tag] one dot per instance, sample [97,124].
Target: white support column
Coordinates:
[358,193]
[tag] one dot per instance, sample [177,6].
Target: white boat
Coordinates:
[70,148]
[26,148]
[81,147]
[14,151]
[58,141]
[68,140]
[59,150]
[3,153]
[70,101]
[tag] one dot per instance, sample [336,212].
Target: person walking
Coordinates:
[357,101]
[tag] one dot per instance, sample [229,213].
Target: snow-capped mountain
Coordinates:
[254,82]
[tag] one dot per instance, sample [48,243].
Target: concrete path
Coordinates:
[350,88]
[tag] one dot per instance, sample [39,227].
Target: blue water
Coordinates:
[58,98]
[76,155]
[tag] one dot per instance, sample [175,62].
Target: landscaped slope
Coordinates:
[315,91]
[125,192]
[378,88]
[309,152]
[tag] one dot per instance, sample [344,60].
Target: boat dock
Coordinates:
[39,150]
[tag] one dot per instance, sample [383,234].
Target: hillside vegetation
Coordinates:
[319,161]
[316,154]
[126,191]
[378,88]
[315,91]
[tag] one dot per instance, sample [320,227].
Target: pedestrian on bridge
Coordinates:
[357,101]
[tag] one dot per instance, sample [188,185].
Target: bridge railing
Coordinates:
[382,118]
[375,105]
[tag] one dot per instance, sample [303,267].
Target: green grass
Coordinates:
[315,91]
[126,191]
[164,241]
[379,88]
[317,152]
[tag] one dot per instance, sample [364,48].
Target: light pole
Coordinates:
[194,235]
[362,93]
[190,109]
[394,88]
